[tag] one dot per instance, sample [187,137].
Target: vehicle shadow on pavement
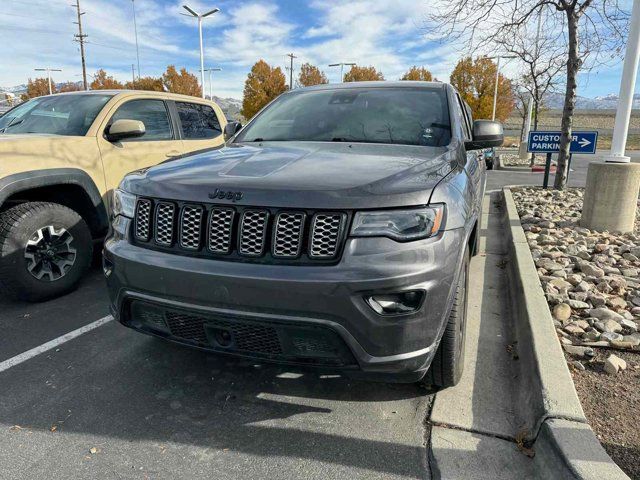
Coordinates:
[118,385]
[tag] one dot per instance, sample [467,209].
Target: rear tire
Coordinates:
[448,363]
[45,250]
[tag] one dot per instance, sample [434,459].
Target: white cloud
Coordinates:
[369,32]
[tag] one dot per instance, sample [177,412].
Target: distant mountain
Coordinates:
[18,89]
[231,107]
[607,102]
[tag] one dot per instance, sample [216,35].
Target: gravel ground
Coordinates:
[509,159]
[592,284]
[612,405]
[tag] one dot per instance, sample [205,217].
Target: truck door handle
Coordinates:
[173,153]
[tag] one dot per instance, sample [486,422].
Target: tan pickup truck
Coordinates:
[61,156]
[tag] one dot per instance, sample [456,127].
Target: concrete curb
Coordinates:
[508,168]
[550,408]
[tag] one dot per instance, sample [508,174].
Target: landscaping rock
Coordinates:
[591,270]
[605,314]
[613,364]
[562,312]
[608,326]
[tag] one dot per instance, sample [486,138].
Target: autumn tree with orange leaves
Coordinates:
[475,81]
[311,75]
[181,82]
[153,84]
[418,73]
[38,88]
[263,84]
[362,74]
[102,81]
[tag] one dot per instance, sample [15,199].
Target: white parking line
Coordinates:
[23,357]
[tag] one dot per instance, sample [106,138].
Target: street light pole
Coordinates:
[210,83]
[48,70]
[341,65]
[495,90]
[611,194]
[135,28]
[200,17]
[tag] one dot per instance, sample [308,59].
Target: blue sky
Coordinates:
[389,35]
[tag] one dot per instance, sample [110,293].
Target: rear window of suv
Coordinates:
[198,121]
[402,115]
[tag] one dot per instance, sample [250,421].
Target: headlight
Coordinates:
[123,204]
[401,225]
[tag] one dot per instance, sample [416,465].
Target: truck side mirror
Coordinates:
[123,128]
[486,134]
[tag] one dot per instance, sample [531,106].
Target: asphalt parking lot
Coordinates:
[116,404]
[112,403]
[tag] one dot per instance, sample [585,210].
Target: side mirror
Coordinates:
[486,134]
[231,129]
[123,128]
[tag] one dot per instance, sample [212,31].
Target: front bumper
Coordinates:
[324,304]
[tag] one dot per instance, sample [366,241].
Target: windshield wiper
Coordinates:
[12,124]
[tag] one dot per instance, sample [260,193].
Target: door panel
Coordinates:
[158,144]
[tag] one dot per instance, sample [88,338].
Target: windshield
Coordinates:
[59,115]
[403,115]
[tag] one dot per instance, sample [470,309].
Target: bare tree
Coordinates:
[542,55]
[590,32]
[521,105]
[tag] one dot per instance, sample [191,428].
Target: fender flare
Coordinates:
[19,182]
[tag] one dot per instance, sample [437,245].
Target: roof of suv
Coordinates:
[376,84]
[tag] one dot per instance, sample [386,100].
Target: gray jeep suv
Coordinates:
[334,230]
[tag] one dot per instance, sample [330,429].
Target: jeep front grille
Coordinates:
[143,219]
[287,235]
[220,229]
[164,223]
[253,232]
[190,226]
[240,233]
[324,235]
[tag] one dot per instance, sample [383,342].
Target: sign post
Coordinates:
[547,169]
[549,142]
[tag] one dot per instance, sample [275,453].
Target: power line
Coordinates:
[80,38]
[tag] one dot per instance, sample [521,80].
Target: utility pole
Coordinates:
[341,65]
[133,75]
[135,29]
[80,38]
[200,17]
[291,57]
[48,70]
[210,83]
[611,194]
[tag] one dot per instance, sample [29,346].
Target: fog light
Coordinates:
[396,303]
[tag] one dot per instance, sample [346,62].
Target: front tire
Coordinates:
[448,363]
[45,250]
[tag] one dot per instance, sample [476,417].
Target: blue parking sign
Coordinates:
[549,142]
